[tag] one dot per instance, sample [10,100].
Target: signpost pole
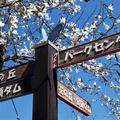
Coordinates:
[44,83]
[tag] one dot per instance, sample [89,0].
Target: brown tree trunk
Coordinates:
[2,54]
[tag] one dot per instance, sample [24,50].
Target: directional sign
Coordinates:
[91,50]
[74,100]
[15,81]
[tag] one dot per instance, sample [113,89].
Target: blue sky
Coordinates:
[24,108]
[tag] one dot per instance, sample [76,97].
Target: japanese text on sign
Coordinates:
[73,99]
[97,47]
[91,50]
[9,90]
[15,81]
[11,74]
[24,70]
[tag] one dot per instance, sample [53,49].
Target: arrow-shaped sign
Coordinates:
[73,99]
[15,82]
[90,50]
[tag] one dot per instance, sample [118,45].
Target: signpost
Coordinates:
[40,77]
[91,50]
[18,84]
[16,81]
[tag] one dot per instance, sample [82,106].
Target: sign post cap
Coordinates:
[43,43]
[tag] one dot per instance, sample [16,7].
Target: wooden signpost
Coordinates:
[40,77]
[16,81]
[44,83]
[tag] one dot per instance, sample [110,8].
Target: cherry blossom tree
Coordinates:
[22,23]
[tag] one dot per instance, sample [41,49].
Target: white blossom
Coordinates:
[112,85]
[99,88]
[100,65]
[82,38]
[63,20]
[74,88]
[118,54]
[14,19]
[118,21]
[62,76]
[89,89]
[54,4]
[107,27]
[80,84]
[9,1]
[110,7]
[108,57]
[79,80]
[2,41]
[24,51]
[1,24]
[67,76]
[66,34]
[99,16]
[93,26]
[15,32]
[15,26]
[77,8]
[94,84]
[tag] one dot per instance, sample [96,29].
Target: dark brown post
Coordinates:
[44,84]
